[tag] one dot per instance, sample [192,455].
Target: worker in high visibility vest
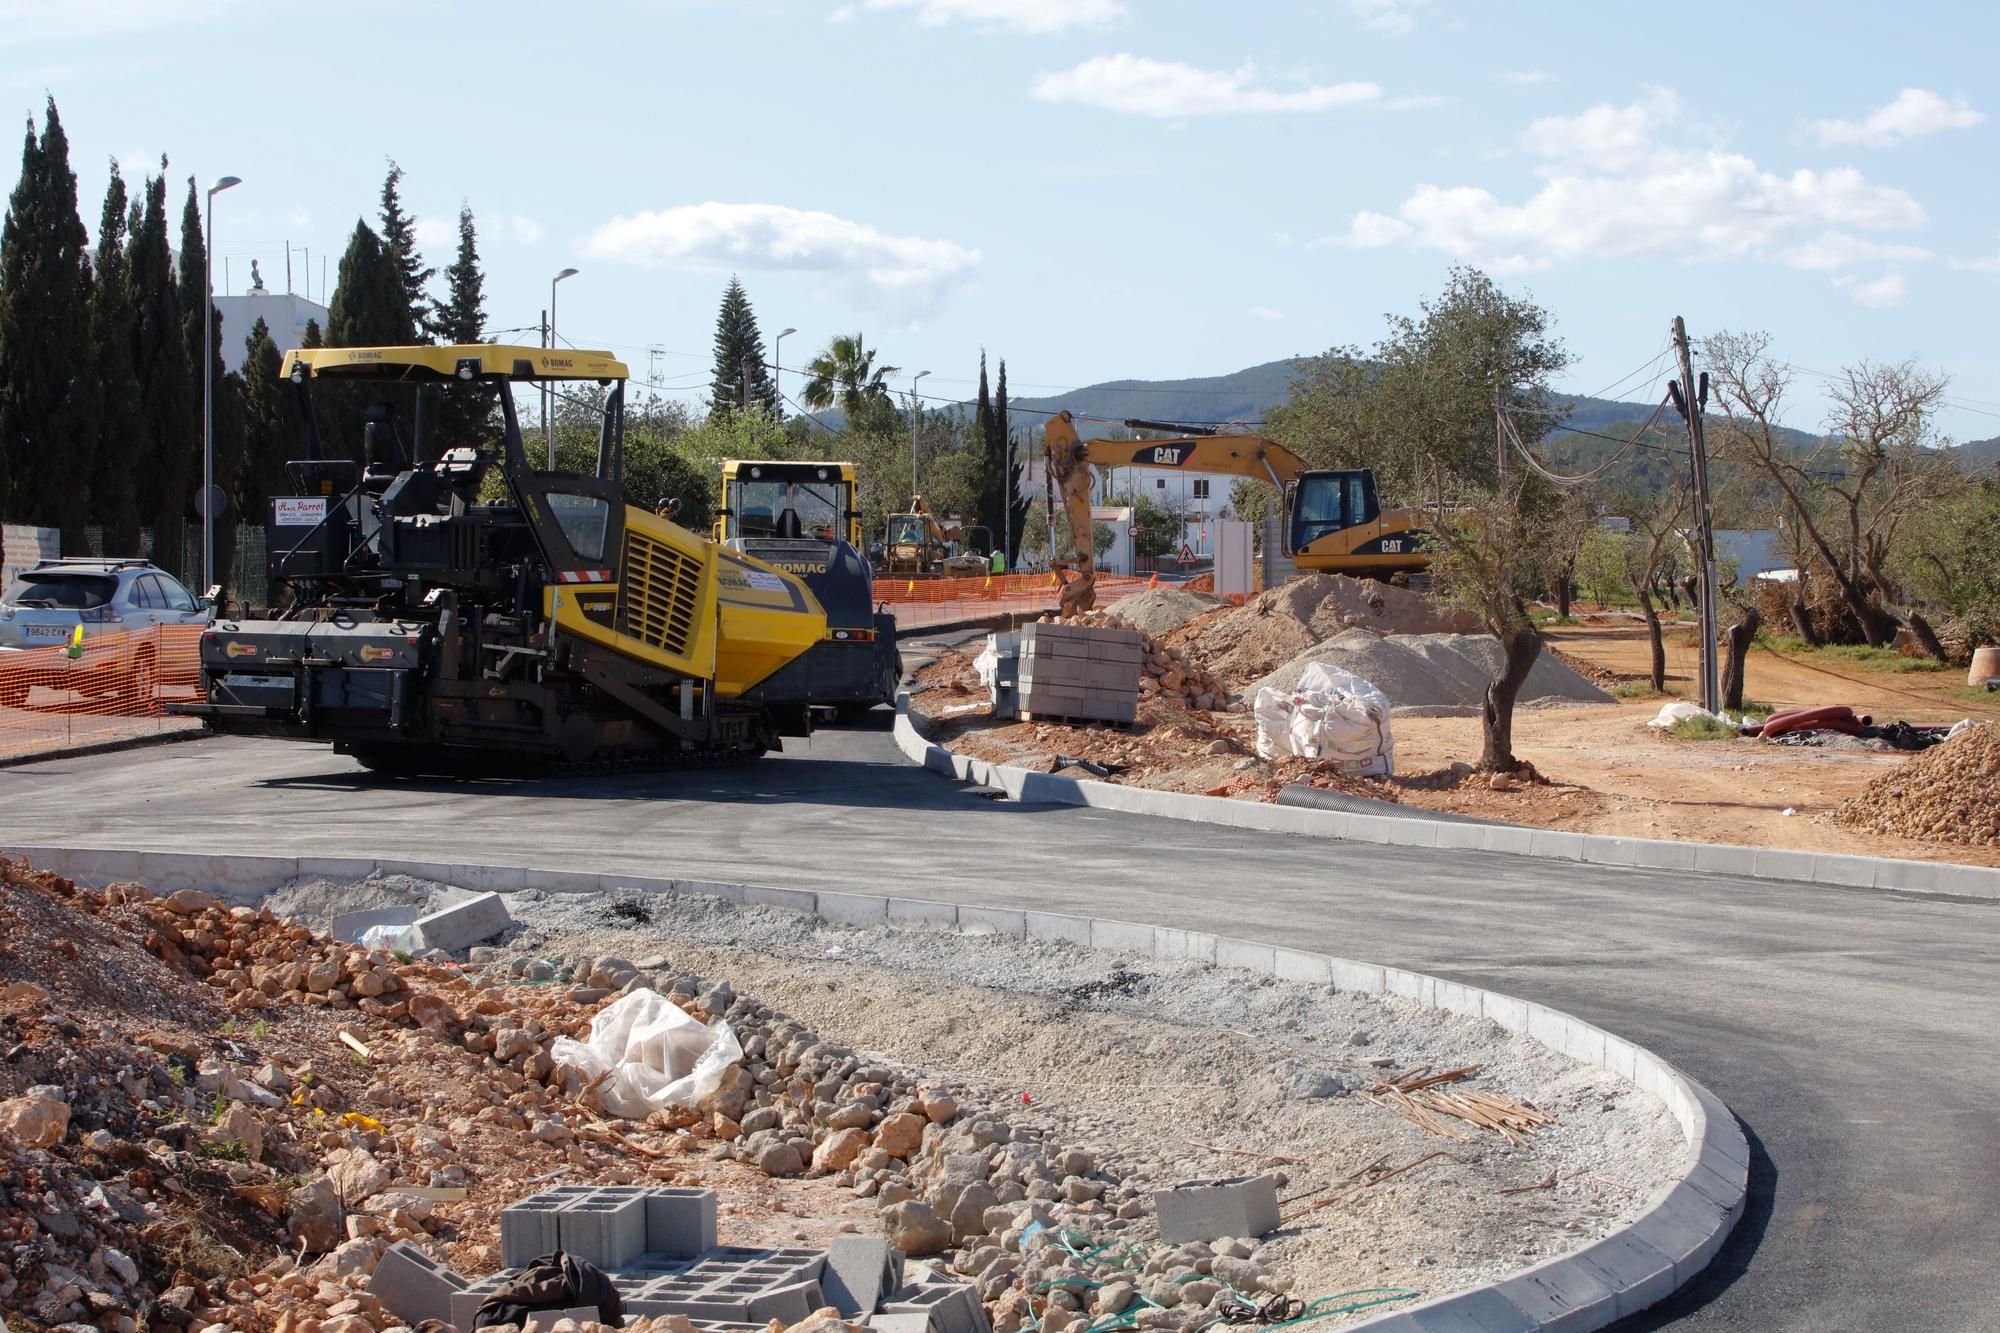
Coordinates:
[998,564]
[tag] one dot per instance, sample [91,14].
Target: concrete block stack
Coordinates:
[1079,672]
[658,1247]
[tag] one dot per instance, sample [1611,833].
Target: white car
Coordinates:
[127,609]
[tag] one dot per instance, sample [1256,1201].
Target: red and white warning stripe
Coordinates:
[583,576]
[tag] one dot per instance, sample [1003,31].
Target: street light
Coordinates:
[548,390]
[208,505]
[778,367]
[915,408]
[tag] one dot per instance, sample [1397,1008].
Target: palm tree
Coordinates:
[845,373]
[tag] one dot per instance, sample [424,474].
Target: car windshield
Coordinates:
[61,590]
[815,509]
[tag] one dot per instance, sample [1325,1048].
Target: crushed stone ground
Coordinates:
[1949,793]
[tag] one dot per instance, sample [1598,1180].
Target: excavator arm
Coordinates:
[1071,459]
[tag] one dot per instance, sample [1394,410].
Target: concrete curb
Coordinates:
[1587,1289]
[1858,872]
[89,748]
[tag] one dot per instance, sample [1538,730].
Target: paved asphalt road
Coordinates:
[1854,1032]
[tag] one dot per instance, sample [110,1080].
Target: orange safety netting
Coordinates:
[115,687]
[935,602]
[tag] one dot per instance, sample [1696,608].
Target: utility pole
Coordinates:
[542,392]
[1690,404]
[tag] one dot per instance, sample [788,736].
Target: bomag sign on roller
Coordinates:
[457,611]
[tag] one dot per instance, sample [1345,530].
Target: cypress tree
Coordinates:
[197,301]
[399,239]
[466,409]
[991,453]
[369,310]
[738,345]
[166,382]
[123,437]
[48,404]
[1010,468]
[269,429]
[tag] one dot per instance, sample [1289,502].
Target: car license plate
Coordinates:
[46,631]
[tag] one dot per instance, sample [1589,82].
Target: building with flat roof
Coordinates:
[284,313]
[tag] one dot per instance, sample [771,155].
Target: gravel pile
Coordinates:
[1276,626]
[1949,793]
[1433,671]
[1157,610]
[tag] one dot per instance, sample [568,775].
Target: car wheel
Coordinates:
[142,684]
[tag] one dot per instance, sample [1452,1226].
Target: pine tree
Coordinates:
[466,409]
[739,348]
[399,239]
[312,336]
[122,434]
[167,383]
[48,405]
[269,433]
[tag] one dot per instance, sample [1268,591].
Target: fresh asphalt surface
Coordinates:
[1853,1031]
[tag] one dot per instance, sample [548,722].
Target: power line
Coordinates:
[1507,424]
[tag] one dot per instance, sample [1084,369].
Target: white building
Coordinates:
[285,314]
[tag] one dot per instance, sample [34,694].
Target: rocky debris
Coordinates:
[1273,627]
[1157,610]
[1948,793]
[1168,673]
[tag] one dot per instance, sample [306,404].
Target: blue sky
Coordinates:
[1095,189]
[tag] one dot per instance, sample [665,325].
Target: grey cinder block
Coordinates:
[464,924]
[787,1304]
[858,1273]
[414,1286]
[948,1307]
[1206,1209]
[528,1229]
[605,1228]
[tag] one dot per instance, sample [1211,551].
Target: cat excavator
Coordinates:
[1334,522]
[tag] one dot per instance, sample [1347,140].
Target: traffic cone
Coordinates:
[1156,580]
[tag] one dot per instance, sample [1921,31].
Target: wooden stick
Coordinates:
[356,1045]
[1248,1152]
[1546,1183]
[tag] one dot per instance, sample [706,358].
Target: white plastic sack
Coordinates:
[656,1054]
[987,664]
[1680,710]
[390,938]
[1332,714]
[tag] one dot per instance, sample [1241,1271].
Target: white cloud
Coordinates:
[526,230]
[1983,264]
[1915,113]
[1386,15]
[1612,137]
[1266,312]
[843,14]
[1031,16]
[436,231]
[1524,78]
[909,272]
[1831,251]
[1611,188]
[1167,89]
[31,22]
[1887,290]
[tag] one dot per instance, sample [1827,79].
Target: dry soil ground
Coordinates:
[1605,770]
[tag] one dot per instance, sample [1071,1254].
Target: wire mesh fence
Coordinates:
[934,603]
[114,686]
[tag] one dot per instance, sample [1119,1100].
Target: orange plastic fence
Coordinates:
[918,603]
[115,688]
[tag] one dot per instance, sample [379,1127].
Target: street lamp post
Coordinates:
[778,368]
[916,410]
[548,390]
[208,387]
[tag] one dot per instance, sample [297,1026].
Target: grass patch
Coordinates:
[1858,654]
[260,1029]
[1702,729]
[1636,689]
[1542,616]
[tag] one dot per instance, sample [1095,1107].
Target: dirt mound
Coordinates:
[1432,670]
[1950,793]
[1276,626]
[1157,610]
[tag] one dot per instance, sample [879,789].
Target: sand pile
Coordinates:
[1949,793]
[1157,610]
[1276,626]
[1433,671]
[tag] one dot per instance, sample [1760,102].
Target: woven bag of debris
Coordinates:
[1332,714]
[655,1054]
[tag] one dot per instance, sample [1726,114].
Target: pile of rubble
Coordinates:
[1170,674]
[1949,793]
[214,1117]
